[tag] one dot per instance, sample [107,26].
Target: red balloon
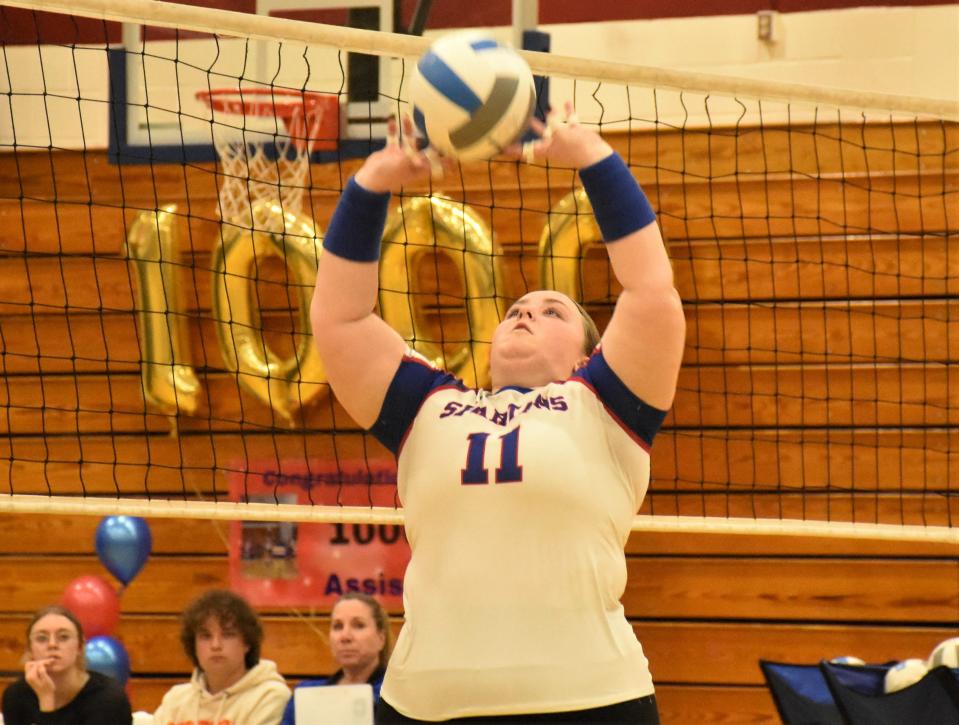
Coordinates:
[95,604]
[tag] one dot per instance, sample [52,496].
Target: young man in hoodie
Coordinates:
[231,685]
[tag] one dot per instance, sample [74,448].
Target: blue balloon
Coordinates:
[123,545]
[108,657]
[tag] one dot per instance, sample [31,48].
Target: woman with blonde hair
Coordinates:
[56,687]
[361,643]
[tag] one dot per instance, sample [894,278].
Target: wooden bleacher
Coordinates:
[849,274]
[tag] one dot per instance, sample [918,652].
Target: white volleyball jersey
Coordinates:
[518,505]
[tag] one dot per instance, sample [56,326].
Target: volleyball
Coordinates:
[945,653]
[848,660]
[471,96]
[903,674]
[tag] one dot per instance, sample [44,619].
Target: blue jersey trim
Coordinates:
[637,416]
[413,382]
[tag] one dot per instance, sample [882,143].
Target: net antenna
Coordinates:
[257,165]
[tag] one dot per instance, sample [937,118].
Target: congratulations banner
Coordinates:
[297,565]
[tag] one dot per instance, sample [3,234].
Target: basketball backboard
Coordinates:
[154,80]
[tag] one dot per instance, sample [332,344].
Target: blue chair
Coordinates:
[801,694]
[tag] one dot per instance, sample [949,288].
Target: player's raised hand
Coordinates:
[399,163]
[562,142]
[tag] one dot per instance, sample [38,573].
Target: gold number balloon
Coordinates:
[415,231]
[284,384]
[169,382]
[569,228]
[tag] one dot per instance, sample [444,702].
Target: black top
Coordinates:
[101,701]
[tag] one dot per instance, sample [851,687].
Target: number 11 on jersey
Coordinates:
[509,470]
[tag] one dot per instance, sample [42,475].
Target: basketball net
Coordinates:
[270,166]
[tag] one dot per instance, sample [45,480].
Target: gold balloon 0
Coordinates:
[417,230]
[285,384]
[569,228]
[169,382]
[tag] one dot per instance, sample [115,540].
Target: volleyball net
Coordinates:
[166,173]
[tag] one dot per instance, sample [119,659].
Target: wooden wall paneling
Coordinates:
[729,653]
[806,459]
[681,704]
[867,460]
[37,534]
[858,395]
[690,208]
[932,509]
[706,587]
[727,333]
[823,149]
[667,543]
[793,589]
[183,465]
[82,296]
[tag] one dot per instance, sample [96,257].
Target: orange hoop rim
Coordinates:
[235,101]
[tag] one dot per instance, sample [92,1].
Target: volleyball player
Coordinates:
[518,500]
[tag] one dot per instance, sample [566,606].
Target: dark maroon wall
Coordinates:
[22,26]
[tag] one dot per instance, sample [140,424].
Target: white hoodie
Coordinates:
[257,698]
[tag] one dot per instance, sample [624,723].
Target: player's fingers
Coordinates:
[409,128]
[529,152]
[410,148]
[392,132]
[553,122]
[412,143]
[436,162]
[536,126]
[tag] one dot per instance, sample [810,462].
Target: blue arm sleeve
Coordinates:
[632,412]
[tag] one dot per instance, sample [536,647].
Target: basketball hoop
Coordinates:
[250,172]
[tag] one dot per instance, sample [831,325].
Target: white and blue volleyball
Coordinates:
[471,96]
[849,660]
[903,674]
[945,653]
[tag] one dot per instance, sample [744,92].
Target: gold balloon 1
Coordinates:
[416,230]
[284,384]
[169,382]
[570,228]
